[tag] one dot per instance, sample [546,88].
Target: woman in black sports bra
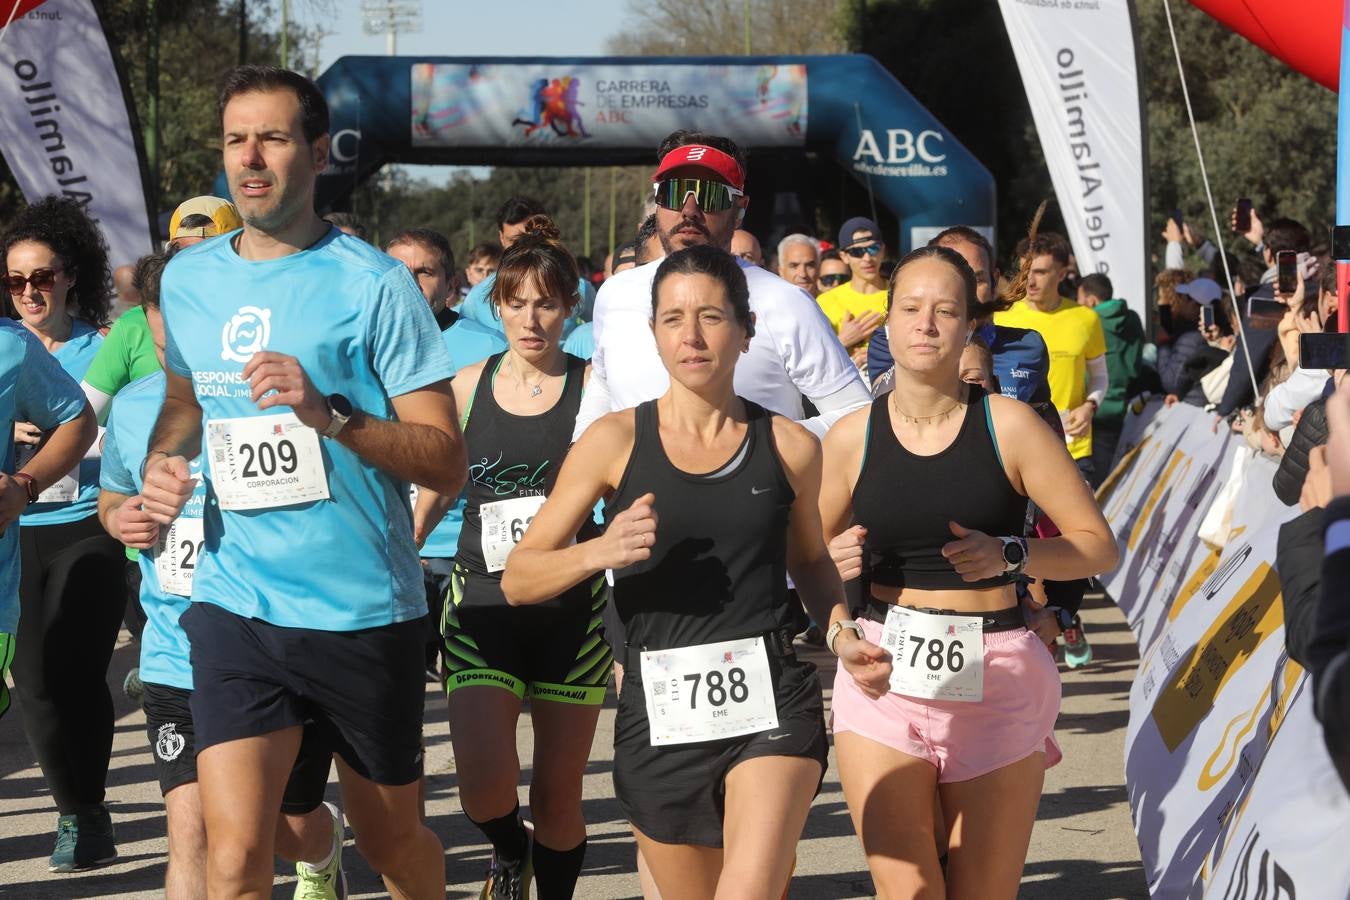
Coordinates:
[719,740]
[925,497]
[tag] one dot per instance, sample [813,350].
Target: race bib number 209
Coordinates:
[265,461]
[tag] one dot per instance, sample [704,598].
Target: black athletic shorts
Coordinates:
[363,690]
[557,653]
[168,725]
[676,794]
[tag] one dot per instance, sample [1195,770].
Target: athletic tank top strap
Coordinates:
[965,482]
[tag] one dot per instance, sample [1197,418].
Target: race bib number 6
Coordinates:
[708,692]
[504,524]
[265,461]
[935,657]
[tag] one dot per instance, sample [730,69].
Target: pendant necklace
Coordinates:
[535,389]
[923,420]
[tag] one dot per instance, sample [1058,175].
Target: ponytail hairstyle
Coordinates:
[537,258]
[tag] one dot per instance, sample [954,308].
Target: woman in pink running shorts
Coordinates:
[926,495]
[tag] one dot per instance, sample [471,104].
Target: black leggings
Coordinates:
[71,600]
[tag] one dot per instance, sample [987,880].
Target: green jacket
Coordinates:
[1124,357]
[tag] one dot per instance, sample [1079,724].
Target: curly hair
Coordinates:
[62,224]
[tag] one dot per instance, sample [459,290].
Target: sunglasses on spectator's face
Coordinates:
[711,196]
[833,280]
[860,252]
[41,280]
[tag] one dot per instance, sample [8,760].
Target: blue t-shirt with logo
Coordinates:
[131,418]
[468,342]
[360,327]
[74,355]
[478,305]
[33,388]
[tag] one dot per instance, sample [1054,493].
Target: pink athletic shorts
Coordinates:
[965,740]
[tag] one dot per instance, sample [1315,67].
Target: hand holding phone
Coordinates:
[1242,215]
[1207,316]
[1286,268]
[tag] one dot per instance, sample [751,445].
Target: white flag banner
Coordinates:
[64,124]
[1077,61]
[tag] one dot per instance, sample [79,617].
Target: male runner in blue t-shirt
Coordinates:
[309,831]
[307,367]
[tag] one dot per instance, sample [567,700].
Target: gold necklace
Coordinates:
[921,420]
[535,389]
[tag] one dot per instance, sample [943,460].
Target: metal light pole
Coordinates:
[285,34]
[389,17]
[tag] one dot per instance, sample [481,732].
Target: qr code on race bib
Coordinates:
[659,689]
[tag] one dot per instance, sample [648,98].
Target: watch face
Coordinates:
[340,404]
[1012,553]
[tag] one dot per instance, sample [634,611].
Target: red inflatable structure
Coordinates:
[1305,34]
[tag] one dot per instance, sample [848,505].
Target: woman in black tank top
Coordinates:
[925,496]
[518,409]
[710,502]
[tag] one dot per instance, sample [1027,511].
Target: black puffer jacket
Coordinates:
[1310,432]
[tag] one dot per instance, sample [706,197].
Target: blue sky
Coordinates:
[477,28]
[473,28]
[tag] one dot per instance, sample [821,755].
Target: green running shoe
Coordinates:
[83,841]
[133,687]
[1077,650]
[330,882]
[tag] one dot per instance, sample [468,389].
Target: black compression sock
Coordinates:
[507,835]
[556,871]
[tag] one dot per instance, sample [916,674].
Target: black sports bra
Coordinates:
[906,501]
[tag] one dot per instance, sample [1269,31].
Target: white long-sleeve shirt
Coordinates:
[794,353]
[1289,396]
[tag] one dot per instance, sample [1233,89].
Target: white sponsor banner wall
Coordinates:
[521,105]
[64,126]
[1077,59]
[1232,792]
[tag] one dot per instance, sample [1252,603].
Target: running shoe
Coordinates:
[1077,650]
[133,687]
[509,881]
[83,841]
[330,882]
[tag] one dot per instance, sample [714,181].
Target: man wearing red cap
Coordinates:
[699,188]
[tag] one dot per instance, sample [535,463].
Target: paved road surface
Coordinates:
[1083,846]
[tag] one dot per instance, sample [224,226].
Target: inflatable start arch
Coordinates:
[511,111]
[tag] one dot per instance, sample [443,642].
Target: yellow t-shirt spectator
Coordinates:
[838,301]
[1073,335]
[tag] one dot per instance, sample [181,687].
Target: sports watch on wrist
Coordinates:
[340,411]
[833,632]
[1014,555]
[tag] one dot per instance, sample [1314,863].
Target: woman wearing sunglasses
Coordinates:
[70,592]
[974,695]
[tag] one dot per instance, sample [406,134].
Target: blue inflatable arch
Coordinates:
[564,111]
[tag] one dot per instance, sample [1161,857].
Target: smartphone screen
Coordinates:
[1207,316]
[1321,351]
[1242,223]
[1286,262]
[1263,308]
[1176,217]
